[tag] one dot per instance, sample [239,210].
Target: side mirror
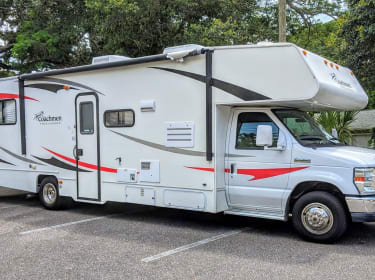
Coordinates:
[281,143]
[264,135]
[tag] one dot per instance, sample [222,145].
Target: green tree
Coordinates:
[359,33]
[322,38]
[43,34]
[145,27]
[339,121]
[305,12]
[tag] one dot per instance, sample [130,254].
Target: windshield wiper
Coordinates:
[334,140]
[311,137]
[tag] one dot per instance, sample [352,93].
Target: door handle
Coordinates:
[77,152]
[232,168]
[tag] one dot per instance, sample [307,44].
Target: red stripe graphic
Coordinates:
[267,173]
[81,163]
[256,173]
[16,96]
[201,168]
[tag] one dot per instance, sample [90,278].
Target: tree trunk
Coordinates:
[282,20]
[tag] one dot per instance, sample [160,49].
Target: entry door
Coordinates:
[257,178]
[87,149]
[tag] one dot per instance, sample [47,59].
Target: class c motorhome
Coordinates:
[220,129]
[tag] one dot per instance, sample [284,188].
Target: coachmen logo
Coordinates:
[42,118]
[340,82]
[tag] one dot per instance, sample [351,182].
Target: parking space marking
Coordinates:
[66,224]
[191,245]
[7,207]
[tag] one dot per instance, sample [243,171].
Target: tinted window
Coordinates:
[247,125]
[8,112]
[86,117]
[119,118]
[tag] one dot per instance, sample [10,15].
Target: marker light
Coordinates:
[337,67]
[66,87]
[364,180]
[331,64]
[325,62]
[60,182]
[304,52]
[351,73]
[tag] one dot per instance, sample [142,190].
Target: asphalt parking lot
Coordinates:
[124,241]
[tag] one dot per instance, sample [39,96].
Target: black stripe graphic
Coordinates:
[60,164]
[240,92]
[162,147]
[170,149]
[50,87]
[3,161]
[67,82]
[20,157]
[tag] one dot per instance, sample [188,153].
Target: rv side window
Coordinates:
[8,114]
[119,118]
[247,125]
[86,117]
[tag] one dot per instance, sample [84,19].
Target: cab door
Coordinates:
[257,177]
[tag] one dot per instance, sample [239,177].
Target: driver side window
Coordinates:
[247,125]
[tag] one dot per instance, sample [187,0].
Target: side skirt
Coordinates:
[241,212]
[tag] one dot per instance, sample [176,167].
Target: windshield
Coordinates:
[305,129]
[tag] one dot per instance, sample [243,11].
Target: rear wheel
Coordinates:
[50,197]
[320,217]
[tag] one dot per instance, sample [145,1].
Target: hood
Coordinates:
[340,156]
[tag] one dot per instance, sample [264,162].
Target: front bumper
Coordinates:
[362,209]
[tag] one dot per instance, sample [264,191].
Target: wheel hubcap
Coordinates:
[49,193]
[317,218]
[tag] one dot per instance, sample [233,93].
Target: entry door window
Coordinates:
[247,125]
[86,117]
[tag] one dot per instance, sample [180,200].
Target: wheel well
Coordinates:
[310,186]
[41,178]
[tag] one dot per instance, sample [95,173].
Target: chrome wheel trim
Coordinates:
[49,193]
[317,218]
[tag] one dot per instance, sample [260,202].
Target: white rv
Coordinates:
[220,129]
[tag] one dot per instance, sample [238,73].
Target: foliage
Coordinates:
[41,34]
[359,33]
[339,121]
[144,27]
[305,12]
[45,34]
[322,39]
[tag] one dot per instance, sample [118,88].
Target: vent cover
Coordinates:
[179,134]
[108,58]
[190,47]
[150,171]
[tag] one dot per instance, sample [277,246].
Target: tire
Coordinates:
[50,197]
[319,217]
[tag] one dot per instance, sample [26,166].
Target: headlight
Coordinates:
[364,179]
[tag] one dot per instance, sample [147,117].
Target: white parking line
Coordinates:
[67,224]
[7,207]
[192,245]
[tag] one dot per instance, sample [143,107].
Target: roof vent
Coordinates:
[108,59]
[189,47]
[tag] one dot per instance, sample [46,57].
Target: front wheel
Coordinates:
[319,217]
[49,195]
